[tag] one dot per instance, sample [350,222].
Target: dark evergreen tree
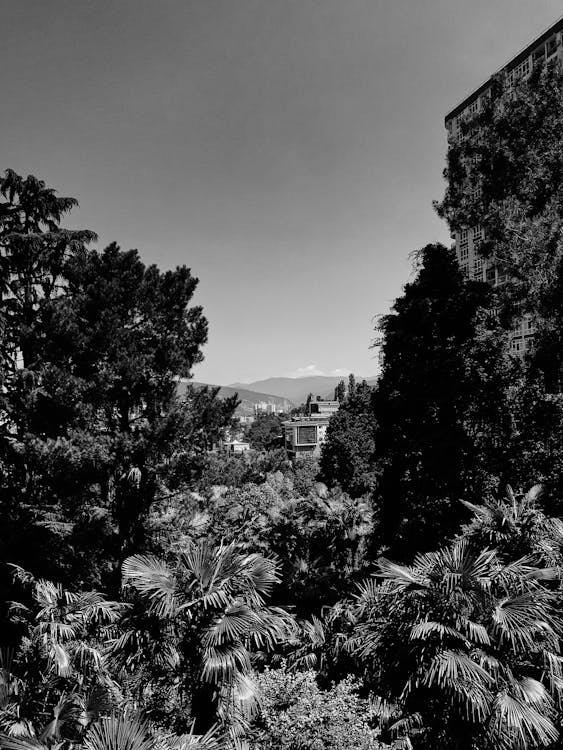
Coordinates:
[347,457]
[92,428]
[265,433]
[440,405]
[340,391]
[308,403]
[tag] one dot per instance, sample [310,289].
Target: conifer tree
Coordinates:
[92,429]
[440,406]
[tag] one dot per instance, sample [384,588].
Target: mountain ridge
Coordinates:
[248,398]
[297,389]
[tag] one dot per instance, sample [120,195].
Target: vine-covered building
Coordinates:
[545,49]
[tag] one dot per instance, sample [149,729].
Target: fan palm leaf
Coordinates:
[449,668]
[119,733]
[220,663]
[400,576]
[154,580]
[234,624]
[422,630]
[211,740]
[516,722]
[66,712]
[24,743]
[213,598]
[477,630]
[519,619]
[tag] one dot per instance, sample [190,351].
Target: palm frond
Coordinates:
[211,740]
[59,659]
[520,721]
[21,743]
[400,576]
[118,733]
[222,662]
[21,575]
[422,630]
[234,624]
[519,619]
[65,713]
[533,692]
[406,725]
[154,580]
[451,667]
[367,592]
[474,631]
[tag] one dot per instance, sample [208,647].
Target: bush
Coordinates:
[297,715]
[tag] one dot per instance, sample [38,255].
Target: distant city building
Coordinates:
[546,49]
[246,419]
[323,407]
[267,407]
[235,446]
[304,436]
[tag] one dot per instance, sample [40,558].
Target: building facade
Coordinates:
[304,436]
[545,49]
[234,446]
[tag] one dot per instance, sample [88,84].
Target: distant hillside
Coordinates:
[246,396]
[297,389]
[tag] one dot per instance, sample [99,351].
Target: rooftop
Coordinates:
[512,62]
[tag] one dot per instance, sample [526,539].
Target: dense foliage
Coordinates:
[265,433]
[348,451]
[507,172]
[297,714]
[399,594]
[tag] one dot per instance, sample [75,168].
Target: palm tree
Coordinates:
[517,526]
[120,732]
[135,733]
[321,644]
[212,602]
[59,677]
[467,645]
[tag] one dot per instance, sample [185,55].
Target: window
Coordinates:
[472,109]
[307,435]
[464,268]
[463,254]
[478,269]
[464,234]
[523,69]
[477,236]
[491,274]
[520,71]
[551,46]
[517,344]
[538,54]
[529,342]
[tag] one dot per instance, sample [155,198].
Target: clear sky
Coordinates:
[286,150]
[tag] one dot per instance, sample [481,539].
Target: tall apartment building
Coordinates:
[546,49]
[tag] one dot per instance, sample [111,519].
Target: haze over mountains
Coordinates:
[297,389]
[285,393]
[247,398]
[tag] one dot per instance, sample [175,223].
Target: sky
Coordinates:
[287,151]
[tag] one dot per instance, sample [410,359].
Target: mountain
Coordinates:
[248,398]
[297,389]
